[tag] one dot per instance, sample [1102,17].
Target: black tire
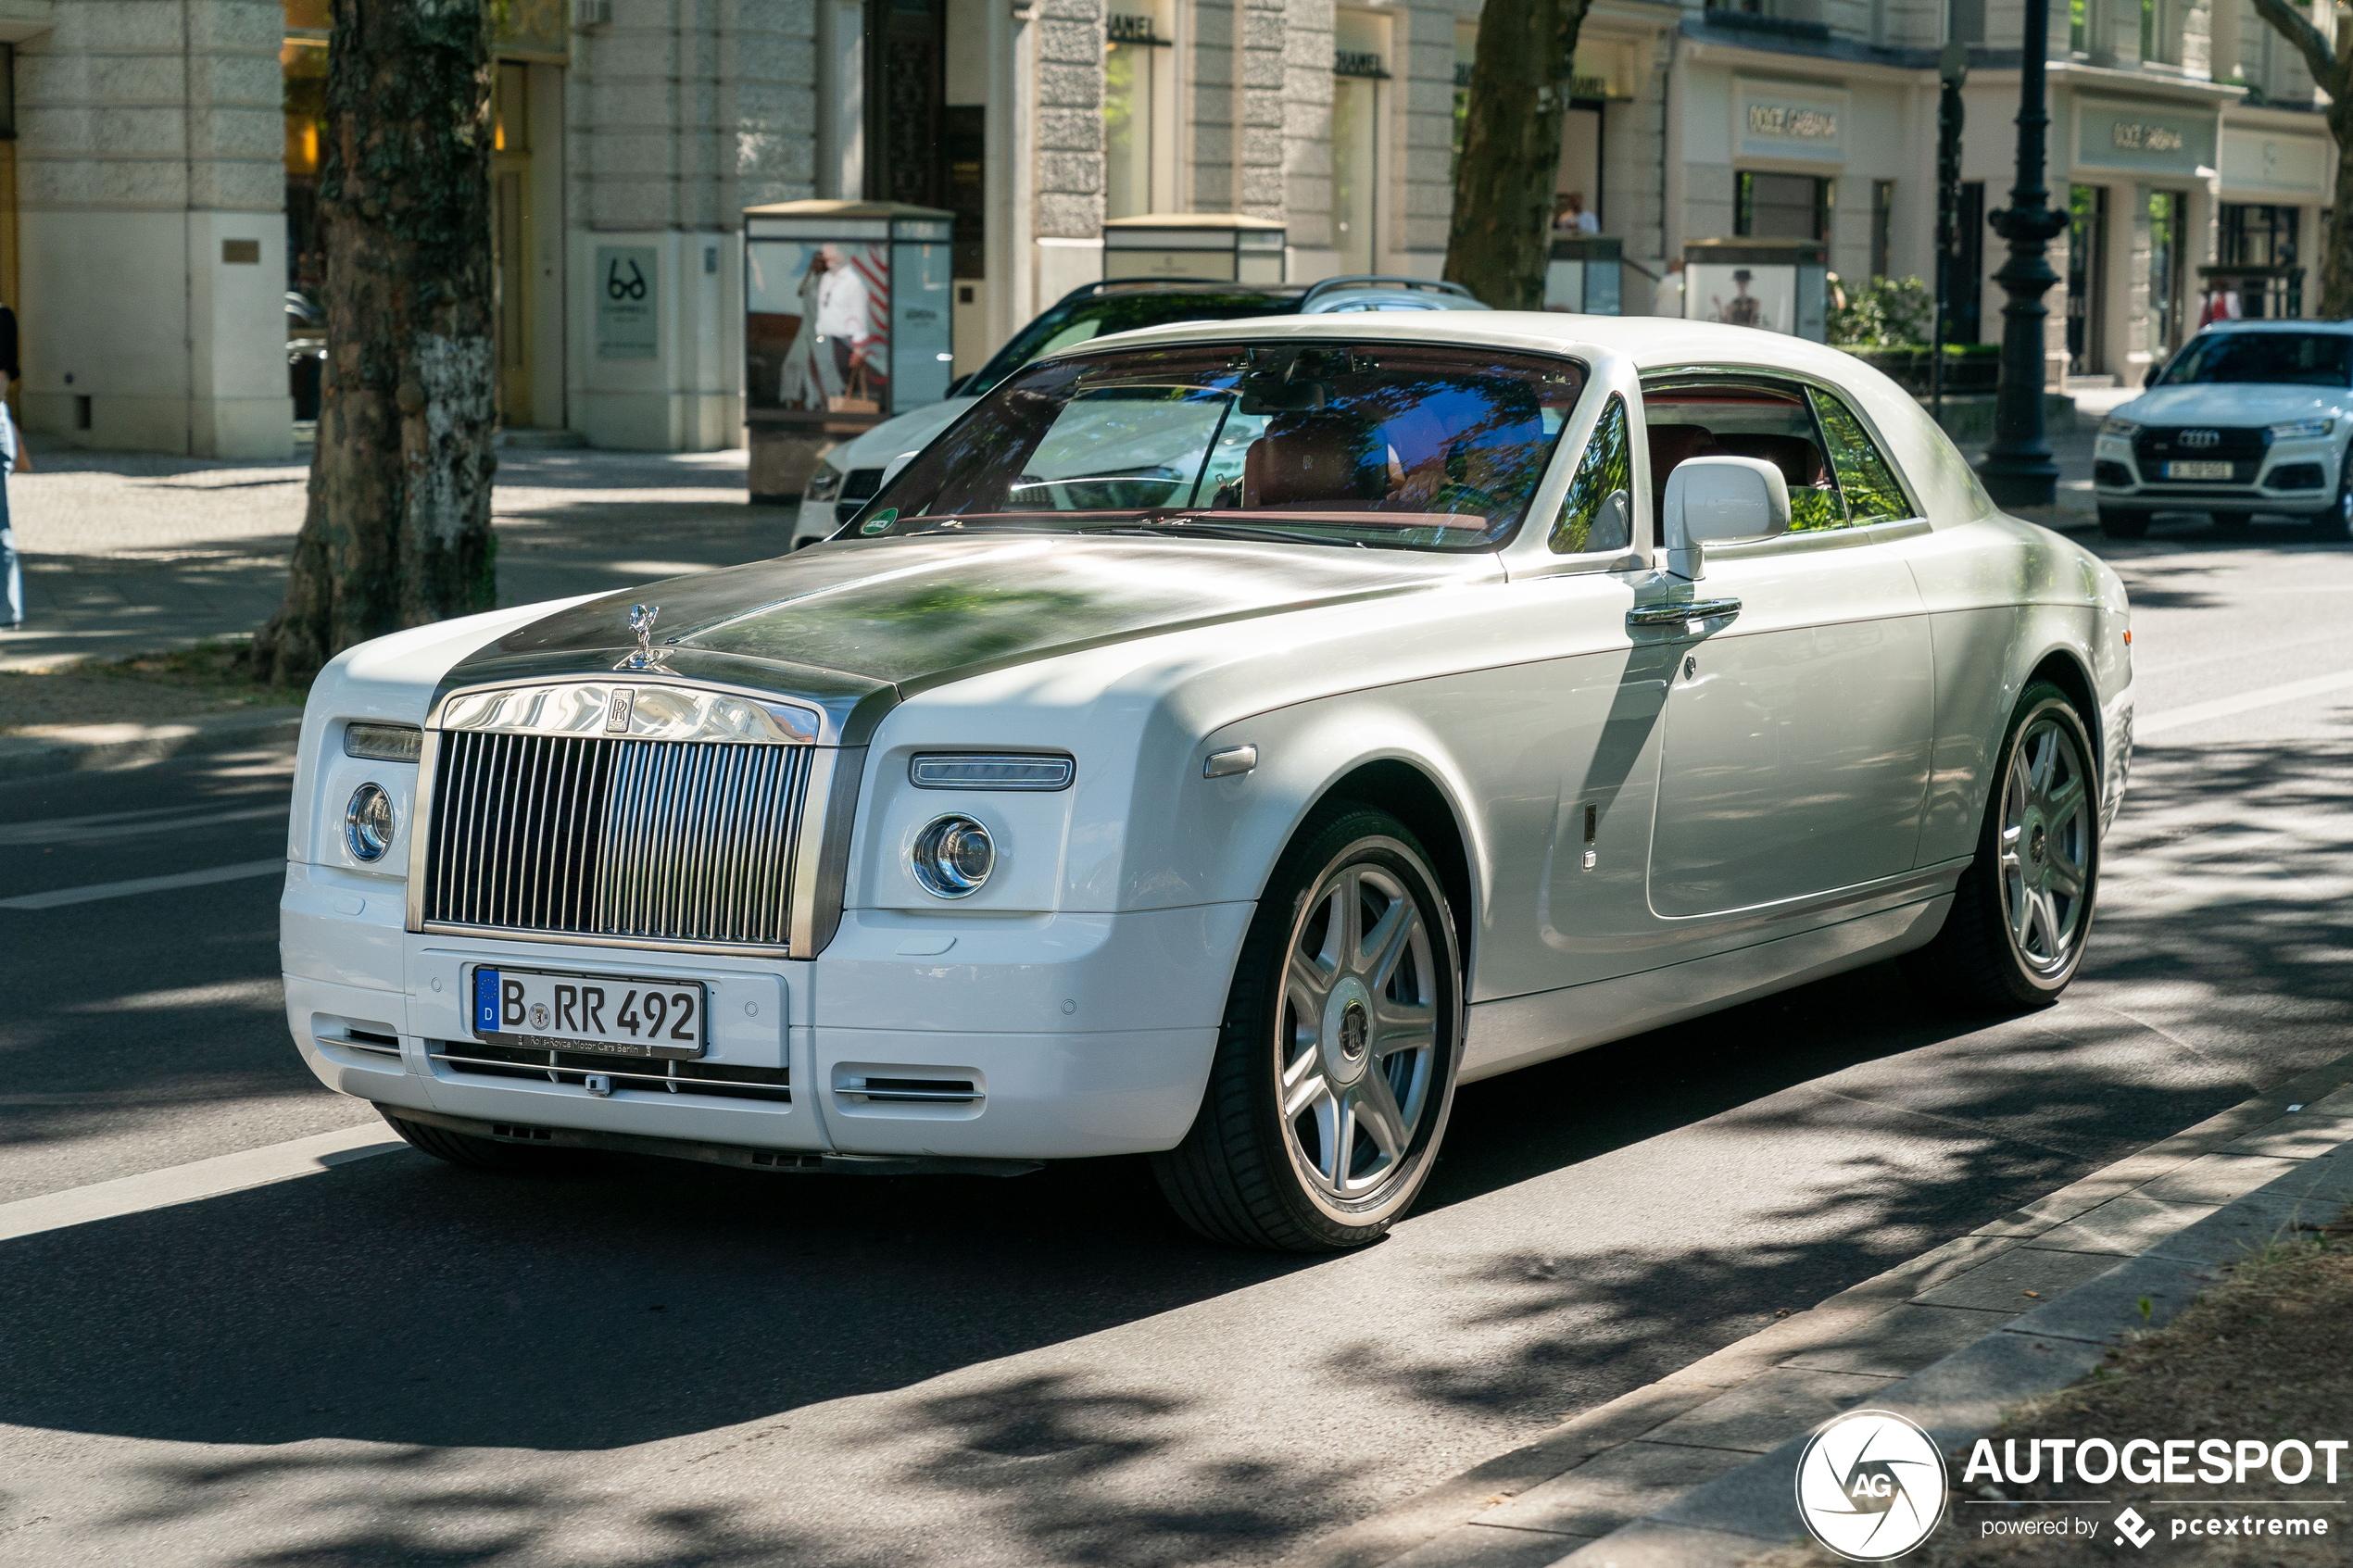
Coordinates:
[473,1152]
[2231,523]
[2335,525]
[1976,963]
[2117,523]
[1246,1174]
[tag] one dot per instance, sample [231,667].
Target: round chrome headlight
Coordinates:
[952,857]
[367,822]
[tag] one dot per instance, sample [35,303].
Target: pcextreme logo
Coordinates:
[1870,1486]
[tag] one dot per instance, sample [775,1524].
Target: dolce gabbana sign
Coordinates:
[2137,137]
[1781,120]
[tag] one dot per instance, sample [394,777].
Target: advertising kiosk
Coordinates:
[847,322]
[1780,285]
[1585,274]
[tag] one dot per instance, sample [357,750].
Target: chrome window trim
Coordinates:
[1820,539]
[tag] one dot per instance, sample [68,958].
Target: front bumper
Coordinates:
[2298,478]
[1069,1035]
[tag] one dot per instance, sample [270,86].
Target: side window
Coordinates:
[1768,420]
[1598,511]
[1872,494]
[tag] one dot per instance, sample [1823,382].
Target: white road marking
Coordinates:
[83,830]
[59,898]
[2225,707]
[195,1181]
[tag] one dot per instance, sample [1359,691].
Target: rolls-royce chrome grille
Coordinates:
[562,835]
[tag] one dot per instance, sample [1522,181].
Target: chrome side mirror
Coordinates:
[1721,498]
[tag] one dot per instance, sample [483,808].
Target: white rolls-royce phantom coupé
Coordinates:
[1220,744]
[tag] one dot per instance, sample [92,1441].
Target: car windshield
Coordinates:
[2278,359]
[1066,326]
[1408,445]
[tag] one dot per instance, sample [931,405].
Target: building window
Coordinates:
[1466,52]
[1965,20]
[1746,7]
[2168,262]
[1883,226]
[2256,236]
[302,59]
[2086,278]
[2079,26]
[1131,59]
[2161,32]
[1786,207]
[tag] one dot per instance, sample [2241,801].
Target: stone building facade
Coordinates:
[155,209]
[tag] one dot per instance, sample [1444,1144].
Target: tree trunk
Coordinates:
[1502,230]
[398,532]
[2336,263]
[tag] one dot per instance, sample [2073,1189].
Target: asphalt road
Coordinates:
[648,1362]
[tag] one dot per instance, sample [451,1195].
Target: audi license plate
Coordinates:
[602,1014]
[2180,469]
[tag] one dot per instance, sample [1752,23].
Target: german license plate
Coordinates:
[2179,470]
[599,1014]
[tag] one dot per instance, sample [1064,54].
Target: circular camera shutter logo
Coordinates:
[1870,1486]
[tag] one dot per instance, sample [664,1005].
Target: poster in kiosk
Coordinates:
[846,319]
[1778,285]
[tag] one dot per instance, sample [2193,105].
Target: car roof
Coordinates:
[1651,341]
[2338,328]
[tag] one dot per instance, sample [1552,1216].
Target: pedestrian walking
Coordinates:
[12,456]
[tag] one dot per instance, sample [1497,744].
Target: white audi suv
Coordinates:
[2249,417]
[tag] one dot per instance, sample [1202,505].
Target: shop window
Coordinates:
[1132,62]
[1786,207]
[1359,53]
[2168,259]
[302,59]
[2256,235]
[2086,277]
[1883,226]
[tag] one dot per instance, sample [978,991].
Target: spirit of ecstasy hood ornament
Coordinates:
[641,621]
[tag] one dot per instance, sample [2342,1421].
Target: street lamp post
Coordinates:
[2017,469]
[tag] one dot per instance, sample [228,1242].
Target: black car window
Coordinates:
[1413,446]
[1598,512]
[1075,321]
[2274,359]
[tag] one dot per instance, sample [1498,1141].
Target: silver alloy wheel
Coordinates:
[1356,1036]
[2047,844]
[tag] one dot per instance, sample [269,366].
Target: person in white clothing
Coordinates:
[1666,299]
[845,312]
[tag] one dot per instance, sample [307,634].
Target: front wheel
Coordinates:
[1336,1063]
[2014,938]
[2337,523]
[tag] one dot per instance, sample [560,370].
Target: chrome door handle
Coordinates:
[1687,609]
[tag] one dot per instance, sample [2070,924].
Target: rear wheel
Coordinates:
[472,1150]
[2117,524]
[2015,936]
[2232,524]
[1336,1063]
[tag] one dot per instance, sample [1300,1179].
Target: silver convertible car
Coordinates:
[1221,744]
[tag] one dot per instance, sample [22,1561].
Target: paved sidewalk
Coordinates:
[132,553]
[1696,1471]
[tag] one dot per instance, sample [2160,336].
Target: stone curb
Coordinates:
[82,748]
[1698,1469]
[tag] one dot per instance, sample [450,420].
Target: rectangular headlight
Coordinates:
[2114,426]
[2302,429]
[383,742]
[971,771]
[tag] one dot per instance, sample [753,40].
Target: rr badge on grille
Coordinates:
[617,710]
[641,621]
